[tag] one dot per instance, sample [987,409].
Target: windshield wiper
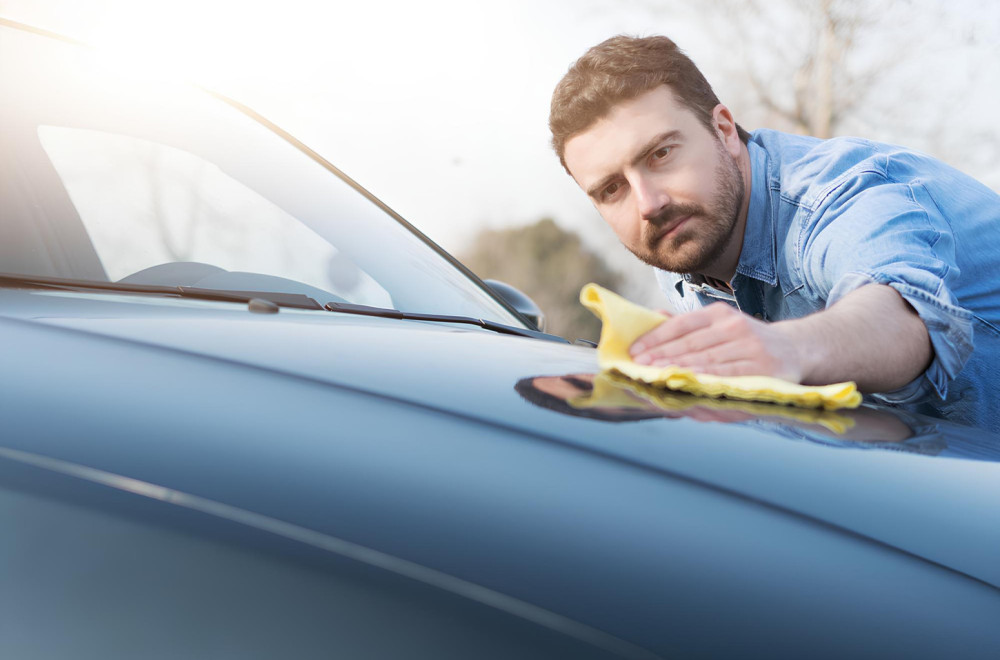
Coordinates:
[387,313]
[296,300]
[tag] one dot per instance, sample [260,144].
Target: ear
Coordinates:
[725,128]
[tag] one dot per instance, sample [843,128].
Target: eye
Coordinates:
[610,190]
[661,153]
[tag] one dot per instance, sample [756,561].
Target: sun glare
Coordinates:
[190,41]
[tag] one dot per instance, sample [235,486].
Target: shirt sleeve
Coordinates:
[873,230]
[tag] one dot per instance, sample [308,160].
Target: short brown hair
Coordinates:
[621,69]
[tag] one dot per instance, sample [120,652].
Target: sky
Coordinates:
[438,107]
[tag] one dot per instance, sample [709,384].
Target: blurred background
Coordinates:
[440,107]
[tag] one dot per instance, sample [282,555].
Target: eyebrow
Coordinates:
[594,190]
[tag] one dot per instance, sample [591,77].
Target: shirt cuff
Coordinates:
[949,327]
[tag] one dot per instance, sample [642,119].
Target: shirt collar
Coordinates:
[757,256]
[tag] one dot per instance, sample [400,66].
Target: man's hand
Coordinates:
[871,336]
[720,340]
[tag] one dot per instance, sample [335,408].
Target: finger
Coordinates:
[737,368]
[724,340]
[670,330]
[684,324]
[708,346]
[692,349]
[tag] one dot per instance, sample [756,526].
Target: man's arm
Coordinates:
[871,336]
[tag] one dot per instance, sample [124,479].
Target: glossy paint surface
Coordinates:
[408,439]
[183,478]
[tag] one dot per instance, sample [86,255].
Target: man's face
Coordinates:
[667,185]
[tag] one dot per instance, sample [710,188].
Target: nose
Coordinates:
[651,197]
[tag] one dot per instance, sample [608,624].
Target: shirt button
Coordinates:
[758,315]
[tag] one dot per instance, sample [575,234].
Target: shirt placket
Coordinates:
[748,296]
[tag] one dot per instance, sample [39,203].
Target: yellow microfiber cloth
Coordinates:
[624,322]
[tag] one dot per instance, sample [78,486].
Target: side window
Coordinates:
[145,204]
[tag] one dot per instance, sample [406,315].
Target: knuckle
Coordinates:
[720,309]
[735,325]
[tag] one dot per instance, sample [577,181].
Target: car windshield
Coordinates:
[106,176]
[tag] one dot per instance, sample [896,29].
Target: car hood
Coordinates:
[939,509]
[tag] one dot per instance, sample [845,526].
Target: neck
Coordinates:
[724,268]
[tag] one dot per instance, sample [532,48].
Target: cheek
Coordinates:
[694,183]
[624,221]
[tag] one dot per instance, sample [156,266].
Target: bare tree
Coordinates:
[805,68]
[891,70]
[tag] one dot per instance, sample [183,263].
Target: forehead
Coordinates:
[614,140]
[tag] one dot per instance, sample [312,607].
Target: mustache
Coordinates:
[672,213]
[666,216]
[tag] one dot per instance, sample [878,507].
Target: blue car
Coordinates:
[249,412]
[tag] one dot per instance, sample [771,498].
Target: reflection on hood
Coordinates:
[611,397]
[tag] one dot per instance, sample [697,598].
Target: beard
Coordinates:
[707,233]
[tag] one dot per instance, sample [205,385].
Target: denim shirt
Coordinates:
[829,216]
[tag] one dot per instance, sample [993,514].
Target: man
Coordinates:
[835,260]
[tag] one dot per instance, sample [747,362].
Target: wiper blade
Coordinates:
[282,299]
[296,300]
[388,313]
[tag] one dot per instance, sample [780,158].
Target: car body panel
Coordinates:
[158,450]
[596,538]
[893,497]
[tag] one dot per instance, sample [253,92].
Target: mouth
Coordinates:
[670,229]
